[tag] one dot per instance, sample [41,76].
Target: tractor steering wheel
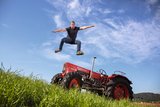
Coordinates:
[103,72]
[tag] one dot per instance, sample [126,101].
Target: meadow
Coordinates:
[19,91]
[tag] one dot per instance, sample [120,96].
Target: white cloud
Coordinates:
[132,42]
[107,11]
[88,11]
[48,53]
[58,4]
[111,22]
[74,4]
[152,2]
[128,40]
[121,11]
[157,14]
[153,6]
[46,44]
[74,9]
[58,20]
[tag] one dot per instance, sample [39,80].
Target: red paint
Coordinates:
[121,92]
[74,84]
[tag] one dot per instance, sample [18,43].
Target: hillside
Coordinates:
[20,91]
[147,97]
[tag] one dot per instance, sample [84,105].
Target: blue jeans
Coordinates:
[70,41]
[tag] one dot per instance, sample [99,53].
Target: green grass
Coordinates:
[20,91]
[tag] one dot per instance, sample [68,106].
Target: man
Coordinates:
[71,38]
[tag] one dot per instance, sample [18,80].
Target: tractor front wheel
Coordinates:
[72,80]
[56,79]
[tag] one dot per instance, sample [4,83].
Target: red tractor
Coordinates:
[115,86]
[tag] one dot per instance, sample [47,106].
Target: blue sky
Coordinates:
[126,37]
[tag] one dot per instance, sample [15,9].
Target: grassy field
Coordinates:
[20,91]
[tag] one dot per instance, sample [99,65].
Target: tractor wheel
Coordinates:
[72,80]
[119,88]
[56,79]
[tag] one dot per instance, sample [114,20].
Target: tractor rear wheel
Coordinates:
[56,79]
[72,80]
[119,88]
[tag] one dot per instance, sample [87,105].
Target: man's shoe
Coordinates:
[80,53]
[57,50]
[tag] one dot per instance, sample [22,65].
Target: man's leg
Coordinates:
[78,45]
[79,52]
[64,40]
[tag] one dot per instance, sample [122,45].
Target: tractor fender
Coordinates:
[115,76]
[56,78]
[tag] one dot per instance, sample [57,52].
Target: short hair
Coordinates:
[73,21]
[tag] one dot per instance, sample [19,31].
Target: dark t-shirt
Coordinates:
[72,33]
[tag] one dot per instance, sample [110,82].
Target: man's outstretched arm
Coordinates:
[85,27]
[59,30]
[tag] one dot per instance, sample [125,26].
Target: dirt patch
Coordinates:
[148,104]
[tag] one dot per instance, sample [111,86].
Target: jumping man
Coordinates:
[71,37]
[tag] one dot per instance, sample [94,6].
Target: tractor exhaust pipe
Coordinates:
[94,58]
